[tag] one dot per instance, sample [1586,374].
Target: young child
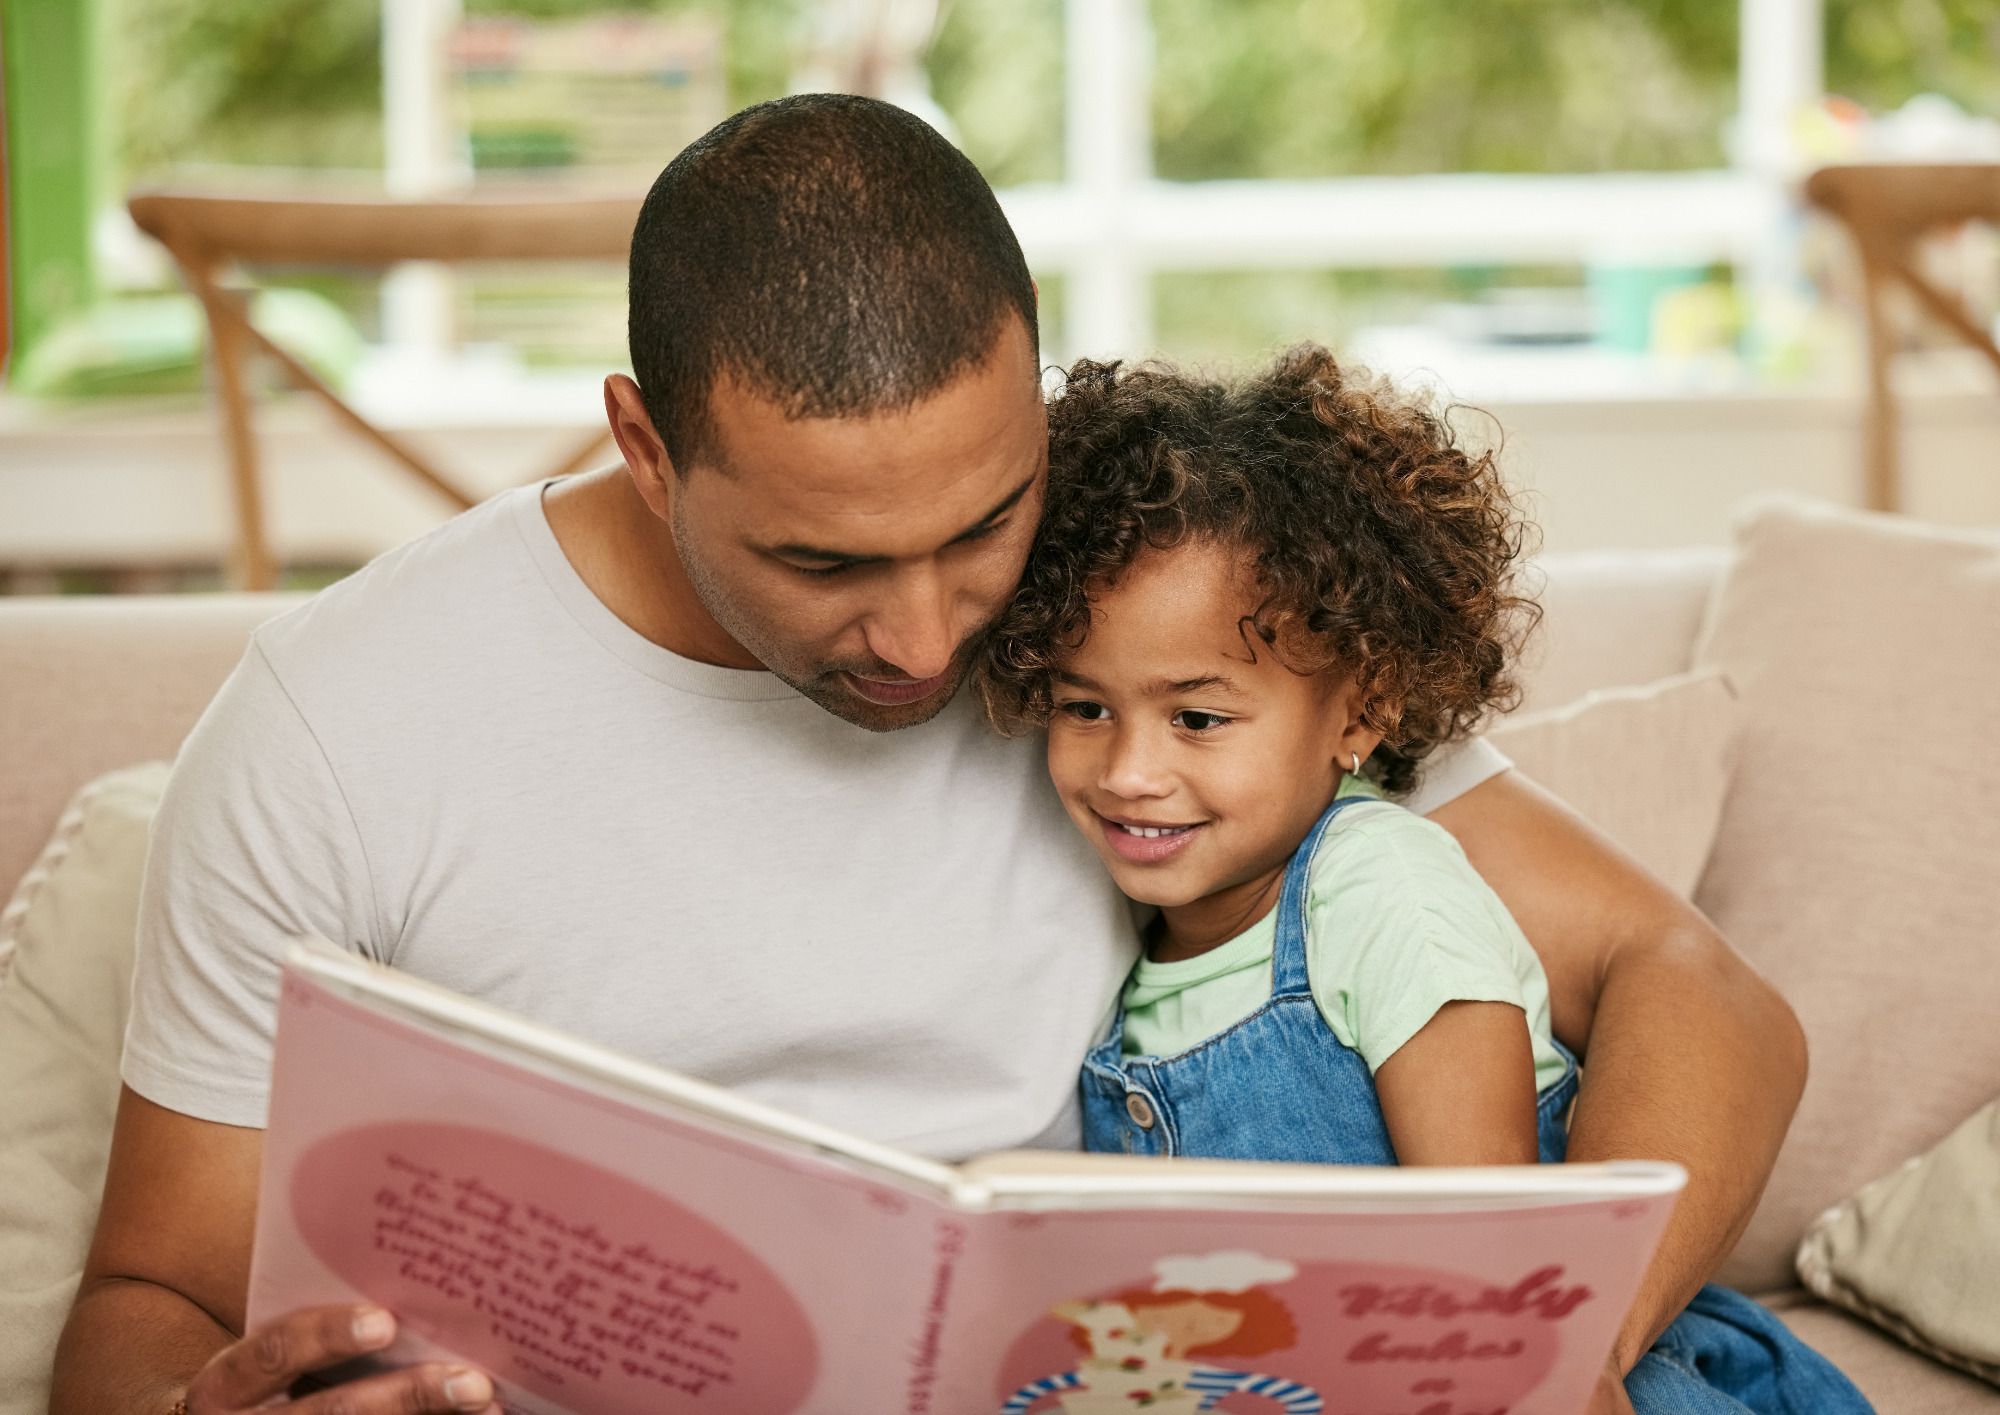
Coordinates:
[1252,612]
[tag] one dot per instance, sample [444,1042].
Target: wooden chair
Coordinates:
[1888,209]
[208,234]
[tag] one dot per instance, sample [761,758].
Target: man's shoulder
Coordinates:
[412,604]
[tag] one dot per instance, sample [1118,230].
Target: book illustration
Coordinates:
[1212,1331]
[567,1280]
[1141,1348]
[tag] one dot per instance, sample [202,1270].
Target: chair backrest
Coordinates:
[536,225]
[207,232]
[1889,206]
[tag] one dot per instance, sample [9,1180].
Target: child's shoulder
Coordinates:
[1388,841]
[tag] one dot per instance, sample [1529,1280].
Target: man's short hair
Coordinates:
[834,253]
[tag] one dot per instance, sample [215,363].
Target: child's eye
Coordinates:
[1194,721]
[1086,711]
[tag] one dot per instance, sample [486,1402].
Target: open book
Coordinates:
[607,1238]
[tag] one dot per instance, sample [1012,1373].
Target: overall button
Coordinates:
[1140,1109]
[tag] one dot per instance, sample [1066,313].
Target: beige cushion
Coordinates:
[1648,766]
[1894,1378]
[1918,1251]
[66,947]
[89,683]
[1615,618]
[1855,862]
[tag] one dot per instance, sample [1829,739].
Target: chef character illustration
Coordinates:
[1161,1349]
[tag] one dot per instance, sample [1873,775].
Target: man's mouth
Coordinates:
[895,692]
[1147,842]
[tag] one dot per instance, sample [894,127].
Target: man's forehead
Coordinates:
[953,458]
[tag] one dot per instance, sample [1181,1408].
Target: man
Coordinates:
[674,757]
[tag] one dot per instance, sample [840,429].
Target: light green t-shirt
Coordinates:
[1398,923]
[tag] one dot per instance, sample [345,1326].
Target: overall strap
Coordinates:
[1288,954]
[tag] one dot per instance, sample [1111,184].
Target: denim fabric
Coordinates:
[1280,1086]
[1726,1355]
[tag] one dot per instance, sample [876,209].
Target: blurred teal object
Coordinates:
[1622,297]
[155,344]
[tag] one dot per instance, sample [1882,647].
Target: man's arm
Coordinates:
[1692,1057]
[160,1312]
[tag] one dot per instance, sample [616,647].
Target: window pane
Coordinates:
[1308,88]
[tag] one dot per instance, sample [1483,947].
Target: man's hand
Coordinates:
[246,1374]
[161,1302]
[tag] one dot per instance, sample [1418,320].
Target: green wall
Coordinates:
[53,157]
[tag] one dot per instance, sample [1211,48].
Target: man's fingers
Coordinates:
[420,1390]
[266,1361]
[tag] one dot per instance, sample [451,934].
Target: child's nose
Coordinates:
[1134,769]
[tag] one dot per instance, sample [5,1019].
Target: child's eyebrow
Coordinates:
[1207,683]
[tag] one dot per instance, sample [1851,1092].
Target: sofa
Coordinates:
[1823,769]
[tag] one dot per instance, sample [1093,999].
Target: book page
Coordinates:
[525,1224]
[1174,1311]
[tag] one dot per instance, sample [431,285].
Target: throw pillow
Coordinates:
[1854,864]
[1918,1252]
[1648,766]
[65,980]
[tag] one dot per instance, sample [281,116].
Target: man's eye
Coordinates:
[1086,711]
[822,572]
[1194,721]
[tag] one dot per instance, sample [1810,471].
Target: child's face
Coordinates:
[1193,766]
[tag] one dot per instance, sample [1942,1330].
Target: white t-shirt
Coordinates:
[459,762]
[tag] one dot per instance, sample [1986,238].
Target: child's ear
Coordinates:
[1356,746]
[1358,738]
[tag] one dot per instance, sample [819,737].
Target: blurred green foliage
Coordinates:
[297,83]
[1298,88]
[1243,88]
[262,82]
[1881,52]
[997,67]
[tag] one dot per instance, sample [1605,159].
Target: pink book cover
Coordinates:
[607,1238]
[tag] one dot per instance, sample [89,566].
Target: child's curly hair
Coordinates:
[1384,549]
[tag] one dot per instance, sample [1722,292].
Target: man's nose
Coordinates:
[914,628]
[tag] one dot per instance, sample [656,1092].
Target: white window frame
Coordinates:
[1110,225]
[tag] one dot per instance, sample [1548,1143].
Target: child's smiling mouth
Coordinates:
[1146,842]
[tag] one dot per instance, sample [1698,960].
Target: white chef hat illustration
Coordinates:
[1234,1270]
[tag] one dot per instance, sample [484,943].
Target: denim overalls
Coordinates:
[1280,1086]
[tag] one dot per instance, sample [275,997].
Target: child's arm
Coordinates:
[1462,1090]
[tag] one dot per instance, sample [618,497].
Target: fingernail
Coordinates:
[374,1328]
[468,1390]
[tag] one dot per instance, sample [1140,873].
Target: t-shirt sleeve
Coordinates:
[1454,770]
[253,847]
[1399,925]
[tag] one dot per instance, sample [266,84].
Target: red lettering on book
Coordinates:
[1452,1346]
[1534,1295]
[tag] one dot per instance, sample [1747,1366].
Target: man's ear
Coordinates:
[644,450]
